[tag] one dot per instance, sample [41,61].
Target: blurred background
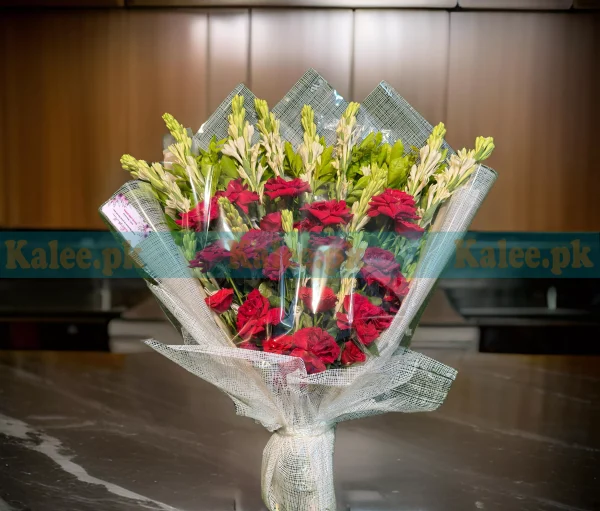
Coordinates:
[83,82]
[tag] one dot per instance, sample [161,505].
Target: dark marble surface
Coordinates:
[92,431]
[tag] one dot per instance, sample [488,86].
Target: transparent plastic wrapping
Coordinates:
[295,261]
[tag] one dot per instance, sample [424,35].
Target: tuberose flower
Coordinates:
[220,301]
[197,217]
[352,354]
[271,222]
[255,314]
[207,258]
[330,212]
[277,263]
[400,207]
[239,194]
[279,187]
[321,301]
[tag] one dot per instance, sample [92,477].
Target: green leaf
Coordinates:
[358,188]
[372,349]
[398,171]
[368,143]
[229,167]
[306,320]
[265,290]
[397,150]
[382,157]
[293,161]
[214,179]
[171,224]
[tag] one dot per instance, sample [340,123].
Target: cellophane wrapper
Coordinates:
[302,409]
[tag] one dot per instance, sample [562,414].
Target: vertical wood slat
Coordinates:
[84,87]
[285,43]
[3,149]
[409,50]
[64,112]
[516,4]
[531,82]
[168,57]
[228,53]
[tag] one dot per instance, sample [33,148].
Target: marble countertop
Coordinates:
[98,431]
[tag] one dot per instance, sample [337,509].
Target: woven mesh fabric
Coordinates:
[275,390]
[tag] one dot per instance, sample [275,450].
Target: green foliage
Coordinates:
[293,162]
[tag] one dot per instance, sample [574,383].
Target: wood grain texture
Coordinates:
[228,53]
[409,50]
[65,115]
[516,4]
[167,53]
[284,44]
[531,81]
[82,4]
[3,148]
[428,4]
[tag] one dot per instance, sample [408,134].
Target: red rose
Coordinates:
[308,225]
[380,266]
[277,263]
[220,301]
[207,258]
[247,345]
[400,207]
[197,217]
[330,212]
[262,239]
[318,342]
[239,195]
[312,363]
[324,299]
[366,319]
[281,345]
[253,249]
[279,187]
[398,286]
[254,314]
[352,354]
[271,222]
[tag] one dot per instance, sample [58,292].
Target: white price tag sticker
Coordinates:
[126,219]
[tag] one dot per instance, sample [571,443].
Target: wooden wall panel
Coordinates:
[284,44]
[531,81]
[516,4]
[3,83]
[65,115]
[167,53]
[409,50]
[228,53]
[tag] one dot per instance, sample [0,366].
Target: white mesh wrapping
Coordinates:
[275,390]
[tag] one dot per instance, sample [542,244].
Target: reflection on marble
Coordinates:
[98,431]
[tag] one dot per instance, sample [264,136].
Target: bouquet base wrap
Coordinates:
[274,389]
[297,469]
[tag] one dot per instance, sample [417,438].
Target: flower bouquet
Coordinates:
[295,250]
